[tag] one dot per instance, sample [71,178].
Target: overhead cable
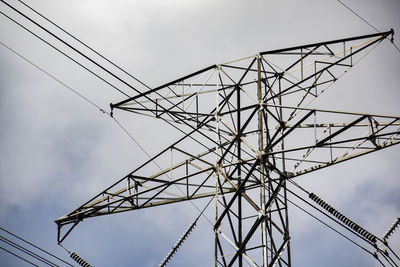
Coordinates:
[33,245]
[75,61]
[351,10]
[327,225]
[76,50]
[84,44]
[102,110]
[18,256]
[86,68]
[27,251]
[355,13]
[332,218]
[54,78]
[68,45]
[63,53]
[343,218]
[349,225]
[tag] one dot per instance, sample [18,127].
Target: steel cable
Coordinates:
[86,68]
[64,54]
[84,44]
[18,256]
[99,77]
[92,72]
[103,111]
[69,46]
[355,13]
[33,245]
[27,251]
[327,225]
[54,78]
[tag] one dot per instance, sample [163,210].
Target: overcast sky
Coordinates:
[57,151]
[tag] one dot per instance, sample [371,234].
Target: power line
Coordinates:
[73,48]
[116,121]
[84,44]
[328,216]
[68,45]
[77,93]
[102,110]
[76,50]
[75,61]
[63,53]
[27,251]
[355,13]
[54,78]
[396,47]
[119,124]
[20,238]
[330,227]
[358,15]
[16,255]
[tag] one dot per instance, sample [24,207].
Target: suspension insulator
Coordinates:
[178,243]
[79,260]
[392,228]
[364,233]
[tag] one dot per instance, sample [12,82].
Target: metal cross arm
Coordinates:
[305,73]
[326,137]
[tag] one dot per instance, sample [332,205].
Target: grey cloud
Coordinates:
[57,151]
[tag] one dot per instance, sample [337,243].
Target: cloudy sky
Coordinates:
[57,151]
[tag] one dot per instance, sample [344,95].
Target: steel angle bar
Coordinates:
[237,193]
[234,246]
[278,253]
[330,65]
[382,35]
[116,105]
[282,127]
[257,222]
[320,143]
[337,125]
[338,160]
[302,57]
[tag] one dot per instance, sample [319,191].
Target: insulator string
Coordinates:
[343,218]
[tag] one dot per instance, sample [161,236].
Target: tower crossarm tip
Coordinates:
[316,139]
[305,72]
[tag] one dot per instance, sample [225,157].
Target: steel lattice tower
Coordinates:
[249,132]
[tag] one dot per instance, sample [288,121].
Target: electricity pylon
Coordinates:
[249,131]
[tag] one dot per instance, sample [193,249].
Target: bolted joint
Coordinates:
[217,168]
[280,75]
